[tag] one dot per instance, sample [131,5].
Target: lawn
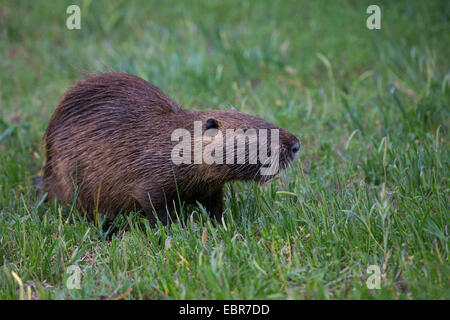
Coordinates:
[370,188]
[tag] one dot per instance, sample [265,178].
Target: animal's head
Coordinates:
[237,146]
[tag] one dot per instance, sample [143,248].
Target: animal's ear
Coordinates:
[211,127]
[211,123]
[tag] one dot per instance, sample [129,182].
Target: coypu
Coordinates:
[109,146]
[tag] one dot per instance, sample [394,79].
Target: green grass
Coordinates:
[370,188]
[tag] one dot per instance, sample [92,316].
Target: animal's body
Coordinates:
[108,145]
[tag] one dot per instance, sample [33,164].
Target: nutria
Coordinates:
[109,147]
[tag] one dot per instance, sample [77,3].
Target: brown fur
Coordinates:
[108,144]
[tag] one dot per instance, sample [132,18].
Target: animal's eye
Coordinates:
[212,127]
[211,123]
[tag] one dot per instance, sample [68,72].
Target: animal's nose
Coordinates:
[295,149]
